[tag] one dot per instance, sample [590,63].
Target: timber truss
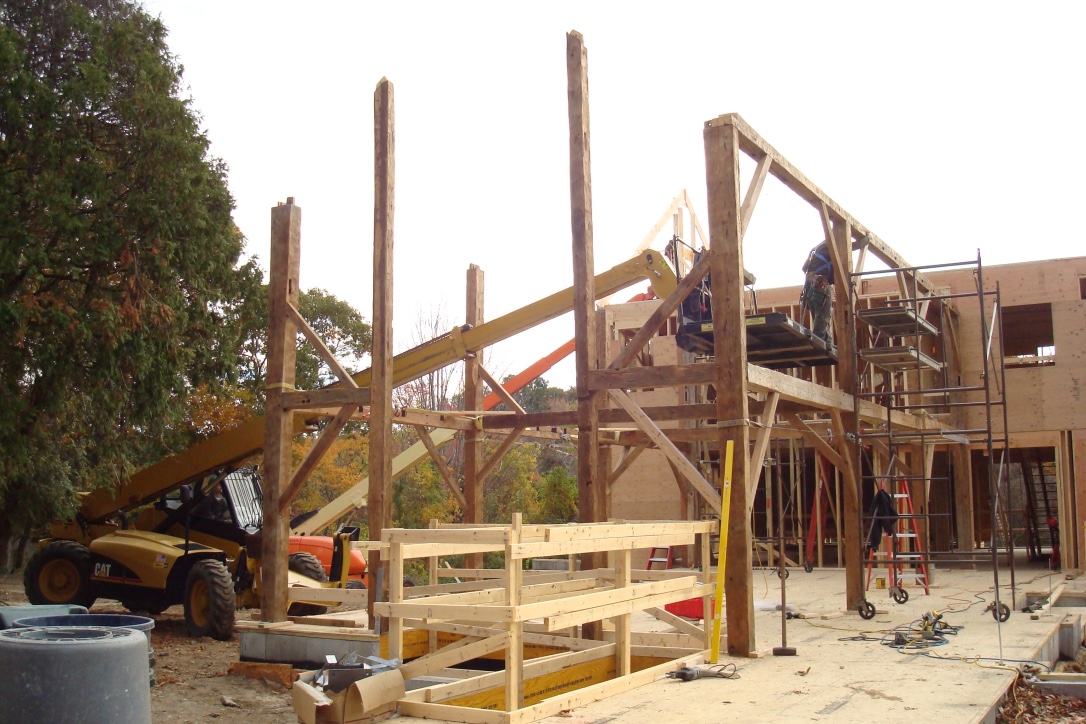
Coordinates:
[747,404]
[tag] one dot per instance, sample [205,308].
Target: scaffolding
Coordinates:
[905,347]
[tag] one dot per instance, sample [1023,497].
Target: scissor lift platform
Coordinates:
[774,340]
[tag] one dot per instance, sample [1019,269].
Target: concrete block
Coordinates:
[286,649]
[251,644]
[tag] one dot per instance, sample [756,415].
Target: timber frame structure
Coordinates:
[733,401]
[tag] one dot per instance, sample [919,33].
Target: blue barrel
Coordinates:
[101,620]
[74,675]
[10,614]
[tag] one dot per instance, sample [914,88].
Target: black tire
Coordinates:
[866,609]
[59,573]
[1002,613]
[353,584]
[408,583]
[309,566]
[784,575]
[900,595]
[808,566]
[210,601]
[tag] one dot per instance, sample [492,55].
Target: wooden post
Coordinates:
[918,492]
[844,321]
[473,400]
[395,595]
[722,183]
[584,294]
[1078,478]
[603,490]
[434,574]
[821,488]
[622,622]
[1065,502]
[284,263]
[962,463]
[604,459]
[514,652]
[384,183]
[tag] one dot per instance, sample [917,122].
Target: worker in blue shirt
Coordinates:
[817,294]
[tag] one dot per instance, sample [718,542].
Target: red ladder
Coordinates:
[655,557]
[906,530]
[819,510]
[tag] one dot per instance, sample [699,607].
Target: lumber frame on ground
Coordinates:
[515,607]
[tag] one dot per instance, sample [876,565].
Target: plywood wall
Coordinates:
[1046,398]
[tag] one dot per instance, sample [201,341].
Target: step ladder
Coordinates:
[661,555]
[906,531]
[820,511]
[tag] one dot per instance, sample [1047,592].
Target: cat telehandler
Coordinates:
[198,546]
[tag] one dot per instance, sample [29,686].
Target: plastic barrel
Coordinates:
[10,614]
[101,620]
[76,675]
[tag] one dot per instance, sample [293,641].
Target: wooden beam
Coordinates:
[496,387]
[725,234]
[840,275]
[603,452]
[507,443]
[656,376]
[608,415]
[283,289]
[318,344]
[961,460]
[473,400]
[560,621]
[679,623]
[672,453]
[816,440]
[442,468]
[753,191]
[794,389]
[395,597]
[694,218]
[761,443]
[381,415]
[429,418]
[622,622]
[584,285]
[624,464]
[850,483]
[314,455]
[458,652]
[514,652]
[650,238]
[328,397]
[755,146]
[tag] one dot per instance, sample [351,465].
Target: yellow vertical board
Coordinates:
[722,550]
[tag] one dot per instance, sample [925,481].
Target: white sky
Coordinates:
[943,126]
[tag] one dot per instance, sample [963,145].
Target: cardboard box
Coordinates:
[366,700]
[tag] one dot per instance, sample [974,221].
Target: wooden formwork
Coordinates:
[536,614]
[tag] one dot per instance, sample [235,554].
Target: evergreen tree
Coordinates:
[120,284]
